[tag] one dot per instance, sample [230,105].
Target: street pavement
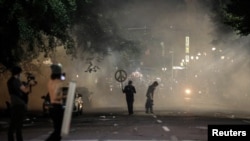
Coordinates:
[114,124]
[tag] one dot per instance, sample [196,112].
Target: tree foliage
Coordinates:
[28,27]
[237,15]
[31,27]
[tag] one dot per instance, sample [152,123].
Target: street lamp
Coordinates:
[164,69]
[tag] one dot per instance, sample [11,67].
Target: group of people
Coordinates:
[130,90]
[19,91]
[18,104]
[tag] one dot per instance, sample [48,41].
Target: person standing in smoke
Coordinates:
[150,95]
[18,105]
[56,109]
[129,90]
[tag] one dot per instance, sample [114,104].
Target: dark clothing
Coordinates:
[149,105]
[129,90]
[56,113]
[149,101]
[18,109]
[150,91]
[18,113]
[16,95]
[25,96]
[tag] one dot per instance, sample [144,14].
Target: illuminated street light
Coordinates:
[187,91]
[164,69]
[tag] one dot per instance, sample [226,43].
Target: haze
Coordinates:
[217,72]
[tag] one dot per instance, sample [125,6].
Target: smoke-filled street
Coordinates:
[182,45]
[196,50]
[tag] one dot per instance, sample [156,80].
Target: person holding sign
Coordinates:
[56,109]
[129,90]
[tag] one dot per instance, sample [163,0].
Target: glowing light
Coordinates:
[188,91]
[163,69]
[178,68]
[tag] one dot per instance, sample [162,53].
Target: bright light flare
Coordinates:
[187,91]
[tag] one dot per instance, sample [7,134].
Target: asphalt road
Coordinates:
[115,124]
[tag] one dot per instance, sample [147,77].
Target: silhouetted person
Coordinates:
[150,96]
[18,106]
[56,110]
[129,90]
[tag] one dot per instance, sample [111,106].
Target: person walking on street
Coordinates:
[150,95]
[129,90]
[18,107]
[56,110]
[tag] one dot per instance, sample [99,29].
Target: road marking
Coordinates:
[165,128]
[159,121]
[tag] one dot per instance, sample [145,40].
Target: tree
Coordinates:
[28,27]
[237,15]
[31,27]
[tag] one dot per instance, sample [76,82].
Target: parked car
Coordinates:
[77,107]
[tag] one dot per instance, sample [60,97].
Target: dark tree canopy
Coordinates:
[237,15]
[28,27]
[31,27]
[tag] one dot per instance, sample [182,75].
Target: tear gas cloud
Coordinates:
[217,72]
[218,67]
